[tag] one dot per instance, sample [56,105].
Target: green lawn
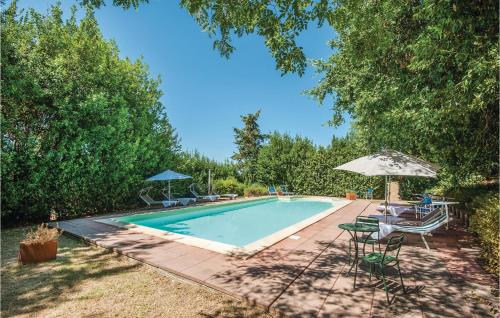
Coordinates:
[90,281]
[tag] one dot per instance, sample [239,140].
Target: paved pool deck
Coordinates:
[306,277]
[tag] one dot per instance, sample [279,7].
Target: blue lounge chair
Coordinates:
[271,190]
[369,194]
[425,206]
[284,190]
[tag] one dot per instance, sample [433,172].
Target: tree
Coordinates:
[317,176]
[416,76]
[280,158]
[248,140]
[420,77]
[81,128]
[278,22]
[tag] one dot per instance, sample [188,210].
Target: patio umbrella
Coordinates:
[168,175]
[390,163]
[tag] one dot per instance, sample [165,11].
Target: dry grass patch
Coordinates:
[88,281]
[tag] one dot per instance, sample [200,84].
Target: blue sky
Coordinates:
[205,94]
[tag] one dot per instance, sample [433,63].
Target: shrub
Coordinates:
[484,222]
[409,186]
[81,127]
[228,185]
[43,234]
[255,190]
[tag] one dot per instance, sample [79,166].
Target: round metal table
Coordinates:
[353,229]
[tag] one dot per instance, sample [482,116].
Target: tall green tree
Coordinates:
[81,127]
[248,140]
[279,159]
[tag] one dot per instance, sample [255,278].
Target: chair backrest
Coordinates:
[393,246]
[427,199]
[431,216]
[370,190]
[427,227]
[144,195]
[193,191]
[271,189]
[435,222]
[283,188]
[367,220]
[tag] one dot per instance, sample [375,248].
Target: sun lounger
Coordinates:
[144,195]
[181,201]
[231,196]
[435,221]
[185,201]
[272,190]
[284,190]
[210,198]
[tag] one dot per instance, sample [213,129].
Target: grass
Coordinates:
[90,281]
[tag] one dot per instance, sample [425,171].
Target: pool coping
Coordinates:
[241,252]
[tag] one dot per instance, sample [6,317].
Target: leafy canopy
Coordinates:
[278,22]
[417,76]
[420,77]
[81,127]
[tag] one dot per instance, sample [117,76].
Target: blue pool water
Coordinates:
[237,224]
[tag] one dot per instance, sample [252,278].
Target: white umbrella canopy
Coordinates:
[390,163]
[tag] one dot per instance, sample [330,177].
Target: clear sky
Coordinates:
[204,93]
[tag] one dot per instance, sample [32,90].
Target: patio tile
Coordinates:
[306,277]
[308,292]
[208,267]
[344,301]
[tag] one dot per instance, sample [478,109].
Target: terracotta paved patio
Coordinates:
[304,277]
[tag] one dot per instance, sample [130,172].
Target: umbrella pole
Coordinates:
[209,192]
[169,191]
[385,198]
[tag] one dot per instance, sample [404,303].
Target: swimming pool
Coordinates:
[244,227]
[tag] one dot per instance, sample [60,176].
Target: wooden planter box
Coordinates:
[36,253]
[350,195]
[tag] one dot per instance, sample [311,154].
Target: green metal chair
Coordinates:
[366,239]
[382,261]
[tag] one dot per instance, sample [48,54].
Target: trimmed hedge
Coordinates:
[255,190]
[484,222]
[229,185]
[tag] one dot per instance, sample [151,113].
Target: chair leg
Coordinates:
[401,278]
[425,242]
[385,285]
[371,269]
[349,262]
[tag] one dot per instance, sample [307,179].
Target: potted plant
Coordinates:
[39,245]
[350,195]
